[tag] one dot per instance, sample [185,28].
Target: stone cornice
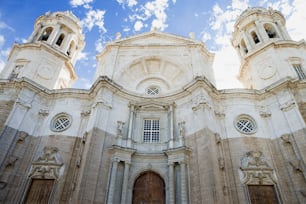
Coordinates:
[199,82]
[274,44]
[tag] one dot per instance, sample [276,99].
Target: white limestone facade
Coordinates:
[153,127]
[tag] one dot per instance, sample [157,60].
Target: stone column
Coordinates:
[261,30]
[112,184]
[247,41]
[125,182]
[171,183]
[129,139]
[171,142]
[183,183]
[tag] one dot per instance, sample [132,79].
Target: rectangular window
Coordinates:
[299,70]
[151,130]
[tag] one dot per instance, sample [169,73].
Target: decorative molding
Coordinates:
[85,113]
[219,114]
[48,165]
[103,103]
[286,138]
[200,102]
[11,161]
[290,104]
[23,103]
[43,112]
[264,111]
[255,170]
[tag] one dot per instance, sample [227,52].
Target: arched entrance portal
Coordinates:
[149,188]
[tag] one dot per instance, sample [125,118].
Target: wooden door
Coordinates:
[262,194]
[40,191]
[149,188]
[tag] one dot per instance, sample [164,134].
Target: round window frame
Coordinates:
[56,117]
[250,119]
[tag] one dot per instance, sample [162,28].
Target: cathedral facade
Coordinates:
[153,128]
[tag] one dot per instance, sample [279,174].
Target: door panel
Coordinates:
[262,194]
[149,188]
[40,191]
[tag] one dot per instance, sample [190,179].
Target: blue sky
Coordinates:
[211,21]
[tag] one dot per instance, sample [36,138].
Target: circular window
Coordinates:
[153,91]
[60,122]
[245,124]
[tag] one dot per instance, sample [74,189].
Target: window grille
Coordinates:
[245,124]
[153,91]
[60,122]
[151,130]
[299,70]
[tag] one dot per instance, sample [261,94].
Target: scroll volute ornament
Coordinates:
[255,170]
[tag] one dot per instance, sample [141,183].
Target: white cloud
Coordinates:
[94,18]
[226,63]
[4,53]
[138,26]
[76,3]
[154,11]
[157,9]
[99,45]
[129,3]
[296,21]
[82,56]
[205,36]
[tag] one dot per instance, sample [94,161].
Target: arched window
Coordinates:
[243,47]
[45,35]
[255,37]
[270,31]
[60,39]
[71,48]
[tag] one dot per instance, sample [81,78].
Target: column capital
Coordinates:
[115,160]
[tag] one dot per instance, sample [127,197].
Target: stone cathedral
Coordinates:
[153,128]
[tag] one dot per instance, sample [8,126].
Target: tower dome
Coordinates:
[50,53]
[266,50]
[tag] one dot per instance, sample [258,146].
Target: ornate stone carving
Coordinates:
[182,131]
[120,125]
[218,138]
[85,113]
[255,170]
[48,165]
[200,102]
[286,138]
[22,136]
[264,111]
[221,163]
[43,112]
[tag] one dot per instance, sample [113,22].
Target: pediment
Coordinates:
[152,105]
[155,38]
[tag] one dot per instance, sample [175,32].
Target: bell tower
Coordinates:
[266,50]
[49,56]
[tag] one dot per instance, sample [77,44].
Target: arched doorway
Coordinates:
[149,188]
